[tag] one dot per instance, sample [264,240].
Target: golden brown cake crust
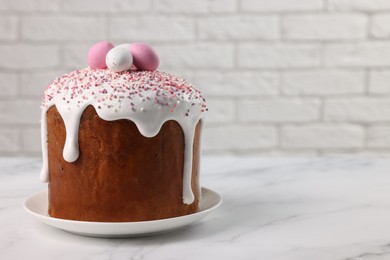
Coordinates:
[120,175]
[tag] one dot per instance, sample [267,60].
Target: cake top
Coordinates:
[106,89]
[123,74]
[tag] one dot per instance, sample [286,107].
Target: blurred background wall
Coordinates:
[280,76]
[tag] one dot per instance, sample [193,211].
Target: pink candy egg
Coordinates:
[144,57]
[97,54]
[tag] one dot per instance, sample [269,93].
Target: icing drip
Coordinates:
[188,195]
[149,99]
[44,176]
[72,122]
[199,159]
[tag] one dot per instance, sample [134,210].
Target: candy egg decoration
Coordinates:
[127,46]
[96,58]
[119,59]
[136,56]
[144,57]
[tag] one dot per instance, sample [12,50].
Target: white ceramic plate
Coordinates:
[37,205]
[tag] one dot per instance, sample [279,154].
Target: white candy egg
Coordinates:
[119,59]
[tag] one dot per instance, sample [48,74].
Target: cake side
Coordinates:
[121,140]
[107,182]
[147,98]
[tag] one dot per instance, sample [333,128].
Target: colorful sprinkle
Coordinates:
[110,89]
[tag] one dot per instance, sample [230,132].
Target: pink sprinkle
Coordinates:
[79,85]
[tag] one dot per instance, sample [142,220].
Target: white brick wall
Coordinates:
[8,27]
[380,27]
[62,28]
[281,5]
[22,6]
[360,54]
[321,82]
[321,136]
[379,82]
[196,56]
[222,110]
[104,6]
[359,5]
[278,110]
[274,56]
[238,84]
[357,110]
[238,27]
[35,83]
[72,55]
[9,140]
[152,28]
[27,56]
[19,111]
[8,84]
[32,145]
[280,76]
[325,27]
[237,139]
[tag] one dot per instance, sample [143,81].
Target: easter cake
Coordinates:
[121,140]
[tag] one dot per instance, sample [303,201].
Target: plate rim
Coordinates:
[135,223]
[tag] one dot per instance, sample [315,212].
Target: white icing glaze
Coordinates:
[148,99]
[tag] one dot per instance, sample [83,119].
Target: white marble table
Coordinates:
[273,209]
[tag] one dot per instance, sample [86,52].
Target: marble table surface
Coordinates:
[274,208]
